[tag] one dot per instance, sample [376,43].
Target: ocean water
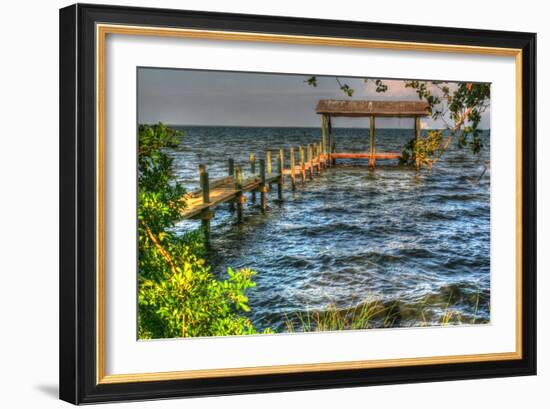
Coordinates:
[352,236]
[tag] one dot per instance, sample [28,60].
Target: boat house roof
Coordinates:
[362,108]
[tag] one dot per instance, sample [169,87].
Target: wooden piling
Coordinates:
[239,198]
[372,160]
[318,157]
[302,165]
[416,137]
[292,169]
[252,161]
[310,160]
[280,168]
[268,160]
[263,186]
[205,225]
[332,145]
[205,189]
[231,172]
[205,185]
[324,133]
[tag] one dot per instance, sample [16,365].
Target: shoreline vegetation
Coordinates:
[179,296]
[378,314]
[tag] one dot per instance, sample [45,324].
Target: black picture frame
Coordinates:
[78,258]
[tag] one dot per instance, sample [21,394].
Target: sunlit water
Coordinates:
[351,235]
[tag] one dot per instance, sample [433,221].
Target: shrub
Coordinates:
[178,295]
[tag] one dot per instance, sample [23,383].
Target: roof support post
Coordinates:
[324,132]
[372,148]
[332,146]
[416,137]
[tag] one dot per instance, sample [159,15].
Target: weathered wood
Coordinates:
[205,226]
[318,157]
[263,186]
[324,132]
[252,161]
[205,187]
[238,177]
[239,195]
[282,161]
[302,164]
[280,169]
[416,137]
[332,145]
[231,174]
[372,159]
[362,108]
[233,187]
[268,160]
[292,169]
[310,160]
[366,155]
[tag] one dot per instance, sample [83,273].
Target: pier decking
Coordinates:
[200,204]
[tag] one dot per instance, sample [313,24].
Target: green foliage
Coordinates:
[345,88]
[463,106]
[424,150]
[178,295]
[311,81]
[375,313]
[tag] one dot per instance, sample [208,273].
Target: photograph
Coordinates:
[278,203]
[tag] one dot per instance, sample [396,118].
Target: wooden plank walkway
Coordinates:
[221,193]
[201,203]
[231,189]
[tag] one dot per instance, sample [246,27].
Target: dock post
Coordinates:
[281,169]
[372,160]
[268,160]
[205,185]
[302,165]
[231,172]
[310,160]
[416,137]
[239,198]
[252,160]
[292,169]
[318,157]
[268,164]
[205,188]
[324,133]
[263,186]
[321,154]
[332,145]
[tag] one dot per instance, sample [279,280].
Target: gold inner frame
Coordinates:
[101,33]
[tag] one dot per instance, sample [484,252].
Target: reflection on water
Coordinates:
[352,235]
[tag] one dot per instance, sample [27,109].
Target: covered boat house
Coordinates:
[330,108]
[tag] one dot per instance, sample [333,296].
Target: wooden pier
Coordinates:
[231,189]
[304,162]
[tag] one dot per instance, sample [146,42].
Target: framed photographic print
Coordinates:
[257,203]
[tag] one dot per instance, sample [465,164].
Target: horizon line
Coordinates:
[288,126]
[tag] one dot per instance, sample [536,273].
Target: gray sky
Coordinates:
[189,97]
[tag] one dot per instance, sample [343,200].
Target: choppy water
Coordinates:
[352,235]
